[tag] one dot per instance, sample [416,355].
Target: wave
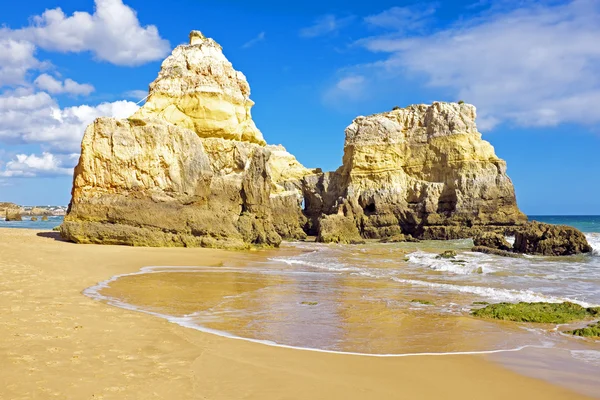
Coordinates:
[464,264]
[594,241]
[490,293]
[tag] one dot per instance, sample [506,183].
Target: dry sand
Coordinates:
[57,343]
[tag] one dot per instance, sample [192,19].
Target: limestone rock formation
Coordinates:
[338,229]
[13,215]
[190,168]
[422,170]
[198,88]
[492,240]
[550,240]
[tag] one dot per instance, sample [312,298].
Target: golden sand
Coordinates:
[57,343]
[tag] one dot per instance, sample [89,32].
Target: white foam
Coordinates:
[588,356]
[463,264]
[594,241]
[505,295]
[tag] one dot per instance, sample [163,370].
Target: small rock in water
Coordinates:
[447,254]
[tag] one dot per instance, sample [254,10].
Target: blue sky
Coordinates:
[531,68]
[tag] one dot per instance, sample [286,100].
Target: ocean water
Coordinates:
[396,299]
[53,221]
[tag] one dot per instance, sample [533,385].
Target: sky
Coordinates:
[532,69]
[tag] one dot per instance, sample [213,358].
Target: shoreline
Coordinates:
[93,293]
[61,343]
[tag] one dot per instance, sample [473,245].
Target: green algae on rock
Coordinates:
[592,330]
[424,302]
[550,313]
[447,254]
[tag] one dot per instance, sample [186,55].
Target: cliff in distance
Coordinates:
[191,168]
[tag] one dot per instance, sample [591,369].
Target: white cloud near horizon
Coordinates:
[259,38]
[36,118]
[537,65]
[325,25]
[32,165]
[112,33]
[52,85]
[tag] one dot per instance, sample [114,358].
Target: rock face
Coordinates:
[550,240]
[422,170]
[190,168]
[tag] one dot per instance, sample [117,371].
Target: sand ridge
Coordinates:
[58,343]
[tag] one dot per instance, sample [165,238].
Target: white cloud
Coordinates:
[29,166]
[52,85]
[538,65]
[36,118]
[17,57]
[324,25]
[259,38]
[113,33]
[348,87]
[402,18]
[136,95]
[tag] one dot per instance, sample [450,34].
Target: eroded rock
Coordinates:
[550,240]
[421,170]
[190,168]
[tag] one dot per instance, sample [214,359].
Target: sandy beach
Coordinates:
[58,343]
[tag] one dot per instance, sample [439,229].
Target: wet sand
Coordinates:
[58,343]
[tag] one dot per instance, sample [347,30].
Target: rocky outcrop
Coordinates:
[492,240]
[190,168]
[338,229]
[13,215]
[550,240]
[422,170]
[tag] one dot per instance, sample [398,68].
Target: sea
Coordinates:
[381,300]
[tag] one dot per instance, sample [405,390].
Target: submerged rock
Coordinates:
[554,313]
[592,330]
[550,240]
[189,168]
[497,252]
[34,219]
[492,240]
[421,170]
[447,254]
[44,218]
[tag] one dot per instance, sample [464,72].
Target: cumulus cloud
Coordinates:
[52,85]
[538,65]
[324,25]
[47,164]
[36,118]
[17,58]
[112,33]
[259,38]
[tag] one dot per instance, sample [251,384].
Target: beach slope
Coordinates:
[58,343]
